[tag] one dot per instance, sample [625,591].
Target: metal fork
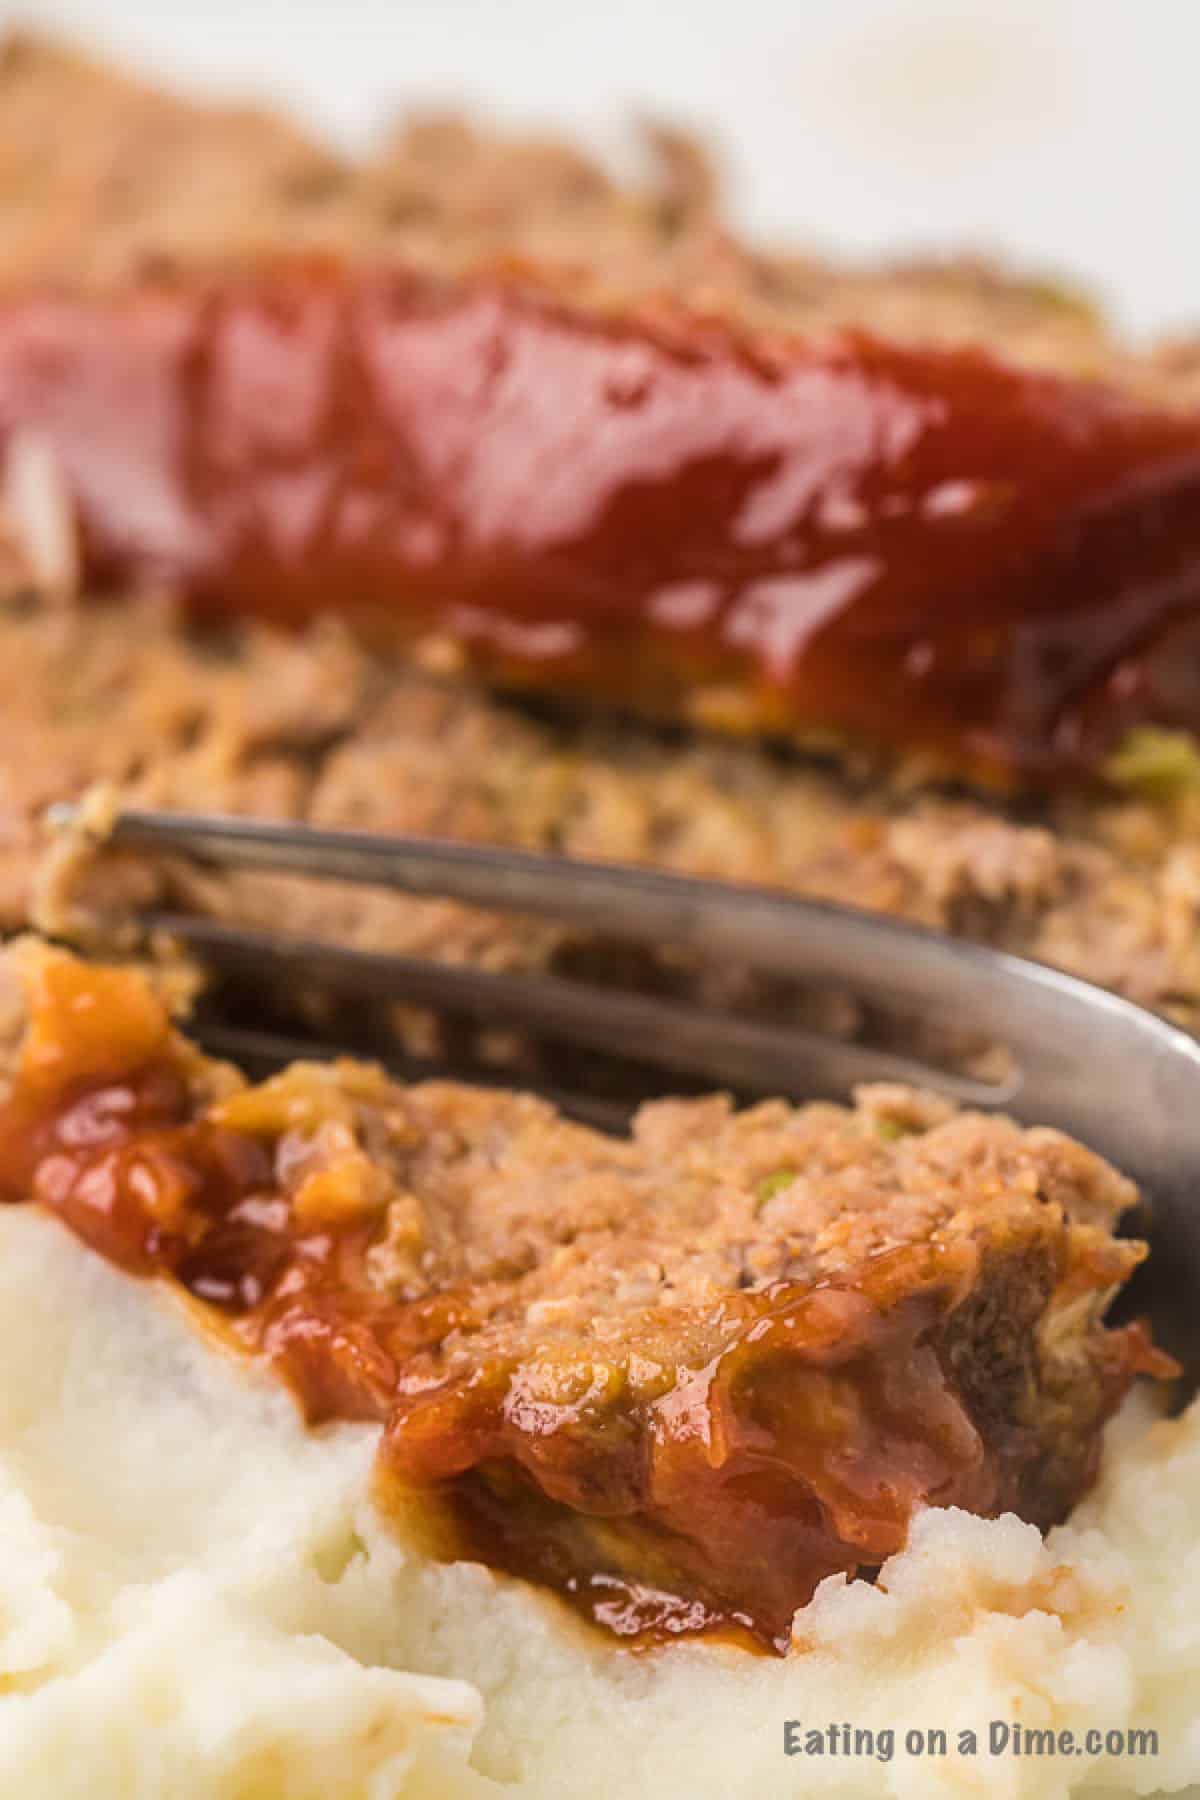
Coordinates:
[1108,1072]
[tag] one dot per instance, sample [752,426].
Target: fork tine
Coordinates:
[728,1051]
[898,966]
[1047,1020]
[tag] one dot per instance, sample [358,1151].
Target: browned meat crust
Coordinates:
[680,1377]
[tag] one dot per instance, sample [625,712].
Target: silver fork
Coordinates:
[1108,1072]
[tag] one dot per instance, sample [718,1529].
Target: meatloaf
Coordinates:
[678,1378]
[805,519]
[1102,876]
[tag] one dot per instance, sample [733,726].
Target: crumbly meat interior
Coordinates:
[678,1377]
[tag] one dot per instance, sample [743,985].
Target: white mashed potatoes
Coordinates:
[196,1598]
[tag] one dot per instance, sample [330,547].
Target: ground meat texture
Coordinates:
[678,1378]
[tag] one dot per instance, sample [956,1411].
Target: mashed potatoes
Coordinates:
[196,1598]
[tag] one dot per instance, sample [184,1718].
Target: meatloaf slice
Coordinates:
[933,513]
[678,1378]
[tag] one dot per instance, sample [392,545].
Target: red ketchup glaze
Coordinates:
[911,548]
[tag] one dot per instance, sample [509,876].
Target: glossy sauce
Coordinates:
[913,549]
[712,1499]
